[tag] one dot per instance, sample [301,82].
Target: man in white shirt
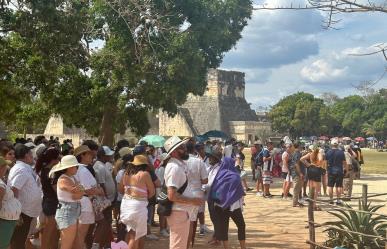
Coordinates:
[197,175]
[104,178]
[175,178]
[23,182]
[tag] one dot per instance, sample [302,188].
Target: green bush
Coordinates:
[338,232]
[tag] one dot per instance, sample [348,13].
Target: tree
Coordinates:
[300,114]
[152,54]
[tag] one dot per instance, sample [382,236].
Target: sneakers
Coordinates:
[205,229]
[290,195]
[259,194]
[152,237]
[164,233]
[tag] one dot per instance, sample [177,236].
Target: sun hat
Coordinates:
[124,151]
[173,143]
[81,149]
[65,163]
[257,142]
[140,160]
[4,162]
[313,147]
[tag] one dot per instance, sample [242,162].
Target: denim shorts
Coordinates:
[67,214]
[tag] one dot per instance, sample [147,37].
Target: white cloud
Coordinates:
[321,70]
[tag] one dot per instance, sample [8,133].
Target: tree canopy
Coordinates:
[149,55]
[302,114]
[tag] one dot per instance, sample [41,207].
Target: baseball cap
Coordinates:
[107,151]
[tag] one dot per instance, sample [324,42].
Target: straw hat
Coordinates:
[140,160]
[124,151]
[81,149]
[65,163]
[173,143]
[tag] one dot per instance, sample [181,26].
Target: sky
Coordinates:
[283,52]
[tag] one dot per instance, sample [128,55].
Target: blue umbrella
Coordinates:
[155,140]
[371,138]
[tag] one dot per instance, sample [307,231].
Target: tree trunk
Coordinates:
[106,133]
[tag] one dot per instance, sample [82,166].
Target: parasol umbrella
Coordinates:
[346,138]
[371,138]
[155,140]
[215,133]
[359,139]
[323,138]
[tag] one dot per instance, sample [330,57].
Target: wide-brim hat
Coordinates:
[4,162]
[81,149]
[173,143]
[140,160]
[124,151]
[65,163]
[334,141]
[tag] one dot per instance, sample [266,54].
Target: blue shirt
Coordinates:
[335,158]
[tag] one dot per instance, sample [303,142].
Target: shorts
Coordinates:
[315,173]
[258,173]
[67,214]
[335,180]
[87,218]
[284,175]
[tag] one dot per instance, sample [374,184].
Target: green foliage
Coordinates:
[302,114]
[146,60]
[338,232]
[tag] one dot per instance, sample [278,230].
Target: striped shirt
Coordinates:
[22,177]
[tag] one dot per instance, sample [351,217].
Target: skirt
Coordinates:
[134,214]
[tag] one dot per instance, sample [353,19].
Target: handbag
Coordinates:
[100,203]
[164,206]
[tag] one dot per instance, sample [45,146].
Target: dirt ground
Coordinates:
[274,223]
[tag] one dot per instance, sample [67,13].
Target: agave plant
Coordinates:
[338,232]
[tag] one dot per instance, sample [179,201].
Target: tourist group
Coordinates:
[56,196]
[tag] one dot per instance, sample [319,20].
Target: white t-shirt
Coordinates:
[104,176]
[87,180]
[196,173]
[22,177]
[285,162]
[175,176]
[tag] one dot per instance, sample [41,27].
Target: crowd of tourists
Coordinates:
[319,167]
[56,196]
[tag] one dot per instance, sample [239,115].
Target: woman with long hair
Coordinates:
[46,160]
[137,187]
[314,161]
[69,193]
